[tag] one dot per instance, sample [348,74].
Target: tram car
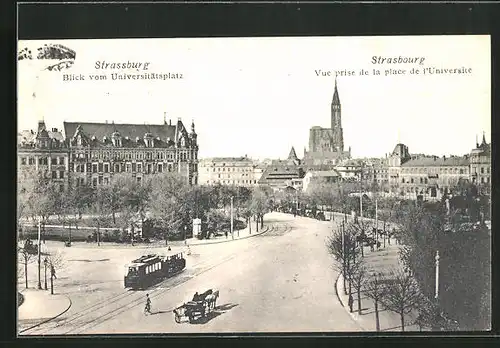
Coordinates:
[152,269]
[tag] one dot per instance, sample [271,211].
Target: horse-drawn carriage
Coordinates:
[198,307]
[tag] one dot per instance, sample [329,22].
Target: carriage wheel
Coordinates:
[191,318]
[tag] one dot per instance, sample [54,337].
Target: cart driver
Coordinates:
[196,296]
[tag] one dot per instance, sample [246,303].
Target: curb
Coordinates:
[266,229]
[47,320]
[351,315]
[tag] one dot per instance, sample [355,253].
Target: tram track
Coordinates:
[113,306]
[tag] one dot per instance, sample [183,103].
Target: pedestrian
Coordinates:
[147,309]
[53,271]
[350,302]
[169,249]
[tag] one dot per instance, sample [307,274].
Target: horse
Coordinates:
[212,299]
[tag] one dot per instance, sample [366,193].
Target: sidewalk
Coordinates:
[381,261]
[39,306]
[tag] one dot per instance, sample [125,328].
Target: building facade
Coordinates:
[44,151]
[94,152]
[240,171]
[480,164]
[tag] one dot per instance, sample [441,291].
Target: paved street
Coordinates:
[279,281]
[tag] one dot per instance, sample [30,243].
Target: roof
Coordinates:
[326,173]
[132,131]
[226,159]
[279,174]
[400,150]
[435,161]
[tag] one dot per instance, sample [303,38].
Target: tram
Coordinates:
[152,269]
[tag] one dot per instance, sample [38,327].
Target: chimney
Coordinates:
[170,122]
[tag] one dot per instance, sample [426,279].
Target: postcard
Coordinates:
[254,185]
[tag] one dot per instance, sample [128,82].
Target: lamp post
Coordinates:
[376,293]
[344,258]
[39,255]
[436,296]
[232,230]
[45,265]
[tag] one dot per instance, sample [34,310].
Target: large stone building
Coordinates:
[94,152]
[326,145]
[480,164]
[240,171]
[44,151]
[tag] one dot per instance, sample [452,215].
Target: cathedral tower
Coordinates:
[337,133]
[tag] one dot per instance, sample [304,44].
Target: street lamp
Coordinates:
[45,267]
[436,296]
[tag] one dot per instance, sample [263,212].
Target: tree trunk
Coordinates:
[344,276]
[43,232]
[26,271]
[249,226]
[359,299]
[257,225]
[114,219]
[70,233]
[402,321]
[377,320]
[97,235]
[262,222]
[52,285]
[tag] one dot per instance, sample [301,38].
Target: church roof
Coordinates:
[132,131]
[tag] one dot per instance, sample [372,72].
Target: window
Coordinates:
[421,180]
[411,180]
[461,171]
[403,180]
[488,170]
[100,180]
[23,160]
[53,161]
[61,160]
[94,182]
[426,181]
[139,167]
[61,174]
[139,179]
[100,167]
[106,167]
[133,167]
[31,160]
[128,167]
[482,170]
[160,168]
[54,174]
[117,168]
[482,180]
[106,181]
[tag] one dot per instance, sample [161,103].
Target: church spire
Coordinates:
[336,99]
[292,155]
[484,139]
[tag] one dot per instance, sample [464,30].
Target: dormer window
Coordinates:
[117,139]
[183,142]
[148,140]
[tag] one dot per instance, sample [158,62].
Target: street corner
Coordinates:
[39,306]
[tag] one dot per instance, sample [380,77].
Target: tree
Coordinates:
[259,206]
[100,210]
[55,262]
[402,294]
[247,214]
[25,257]
[168,202]
[375,290]
[358,277]
[342,245]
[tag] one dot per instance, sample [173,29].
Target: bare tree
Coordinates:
[55,262]
[341,244]
[374,289]
[25,257]
[358,277]
[402,294]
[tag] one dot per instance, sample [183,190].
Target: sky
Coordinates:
[260,96]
